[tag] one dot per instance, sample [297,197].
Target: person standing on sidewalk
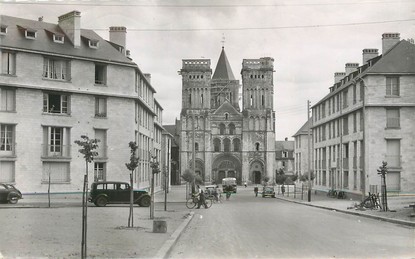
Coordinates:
[256,191]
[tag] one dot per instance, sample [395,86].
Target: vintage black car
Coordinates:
[103,193]
[9,193]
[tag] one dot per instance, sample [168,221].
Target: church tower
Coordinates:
[258,117]
[194,133]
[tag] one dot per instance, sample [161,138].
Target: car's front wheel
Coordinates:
[145,201]
[13,198]
[101,201]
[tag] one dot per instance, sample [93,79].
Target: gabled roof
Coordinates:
[304,129]
[226,106]
[223,69]
[44,42]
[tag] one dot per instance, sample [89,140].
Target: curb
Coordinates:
[168,245]
[396,221]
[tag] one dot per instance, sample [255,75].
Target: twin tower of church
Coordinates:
[226,137]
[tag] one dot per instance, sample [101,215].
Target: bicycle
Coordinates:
[194,201]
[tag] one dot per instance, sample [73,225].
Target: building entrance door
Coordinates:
[257,177]
[221,175]
[231,174]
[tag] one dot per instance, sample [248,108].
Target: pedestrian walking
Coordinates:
[256,191]
[202,200]
[282,189]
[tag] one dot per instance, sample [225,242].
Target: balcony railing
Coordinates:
[56,151]
[7,150]
[393,160]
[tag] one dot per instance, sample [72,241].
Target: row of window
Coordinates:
[60,69]
[339,100]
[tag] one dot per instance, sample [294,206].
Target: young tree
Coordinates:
[134,160]
[155,169]
[87,149]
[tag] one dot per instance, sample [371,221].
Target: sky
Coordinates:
[309,40]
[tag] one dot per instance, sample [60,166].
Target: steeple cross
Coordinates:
[223,40]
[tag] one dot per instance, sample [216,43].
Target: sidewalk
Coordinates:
[399,210]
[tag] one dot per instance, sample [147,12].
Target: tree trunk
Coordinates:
[152,197]
[131,216]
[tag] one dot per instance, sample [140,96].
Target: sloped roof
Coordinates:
[400,59]
[304,129]
[15,38]
[223,69]
[284,145]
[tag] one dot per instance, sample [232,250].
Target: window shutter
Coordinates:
[45,103]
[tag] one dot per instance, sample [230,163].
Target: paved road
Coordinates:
[250,227]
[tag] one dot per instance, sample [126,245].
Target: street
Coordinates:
[256,227]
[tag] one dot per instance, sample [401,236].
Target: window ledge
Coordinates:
[9,75]
[392,96]
[392,128]
[100,85]
[56,80]
[57,114]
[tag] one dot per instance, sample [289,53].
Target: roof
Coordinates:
[223,69]
[226,106]
[281,145]
[15,39]
[400,59]
[304,129]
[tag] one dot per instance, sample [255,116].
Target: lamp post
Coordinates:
[382,171]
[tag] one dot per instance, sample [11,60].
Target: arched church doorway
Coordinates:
[256,171]
[226,166]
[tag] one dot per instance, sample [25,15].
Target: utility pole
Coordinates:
[309,151]
[193,151]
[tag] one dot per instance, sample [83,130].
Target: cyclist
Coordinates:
[202,200]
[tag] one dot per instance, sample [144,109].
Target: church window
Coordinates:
[222,129]
[251,101]
[201,98]
[257,146]
[262,76]
[190,98]
[196,146]
[216,145]
[236,145]
[252,76]
[227,145]
[231,128]
[226,116]
[201,76]
[263,100]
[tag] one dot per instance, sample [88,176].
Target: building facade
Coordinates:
[302,148]
[58,82]
[284,157]
[368,117]
[218,137]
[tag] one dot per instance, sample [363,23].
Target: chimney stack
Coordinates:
[369,54]
[389,40]
[148,77]
[118,35]
[70,23]
[338,76]
[351,67]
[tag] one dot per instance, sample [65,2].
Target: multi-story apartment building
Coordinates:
[58,82]
[368,117]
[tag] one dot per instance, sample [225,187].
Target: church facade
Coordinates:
[219,137]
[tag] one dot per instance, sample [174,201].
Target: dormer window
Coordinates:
[58,38]
[93,44]
[3,29]
[30,34]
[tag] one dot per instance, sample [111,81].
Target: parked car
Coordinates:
[229,183]
[268,191]
[9,193]
[103,193]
